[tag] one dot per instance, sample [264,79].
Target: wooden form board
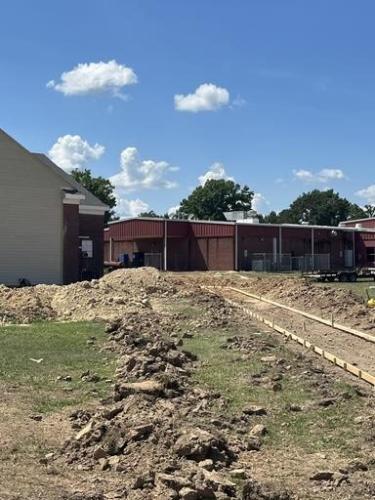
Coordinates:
[331,323]
[348,367]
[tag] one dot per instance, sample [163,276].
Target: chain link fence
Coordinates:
[268,262]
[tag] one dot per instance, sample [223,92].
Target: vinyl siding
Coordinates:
[31,217]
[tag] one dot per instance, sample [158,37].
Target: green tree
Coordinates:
[271,218]
[326,208]
[150,213]
[99,187]
[370,210]
[209,202]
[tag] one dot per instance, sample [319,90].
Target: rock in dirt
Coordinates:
[197,444]
[254,491]
[322,476]
[258,430]
[254,410]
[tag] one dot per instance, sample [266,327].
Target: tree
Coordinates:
[209,202]
[150,213]
[271,218]
[99,187]
[370,210]
[324,208]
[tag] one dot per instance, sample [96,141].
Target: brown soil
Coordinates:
[107,298]
[346,306]
[162,436]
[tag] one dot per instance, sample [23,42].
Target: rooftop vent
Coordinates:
[249,217]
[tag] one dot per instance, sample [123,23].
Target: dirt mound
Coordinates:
[24,305]
[346,305]
[157,429]
[113,295]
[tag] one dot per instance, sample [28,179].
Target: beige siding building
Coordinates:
[42,218]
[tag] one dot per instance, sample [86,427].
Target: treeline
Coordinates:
[211,201]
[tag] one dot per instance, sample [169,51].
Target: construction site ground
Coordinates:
[203,401]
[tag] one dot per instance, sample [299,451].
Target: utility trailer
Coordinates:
[342,275]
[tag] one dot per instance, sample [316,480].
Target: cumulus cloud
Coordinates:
[173,210]
[323,176]
[207,97]
[259,203]
[216,172]
[90,78]
[367,194]
[138,174]
[130,208]
[71,152]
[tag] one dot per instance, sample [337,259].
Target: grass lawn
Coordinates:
[359,287]
[66,350]
[313,430]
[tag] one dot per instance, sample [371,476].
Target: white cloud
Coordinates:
[323,176]
[130,208]
[207,97]
[367,194]
[173,210]
[216,172]
[71,151]
[90,78]
[138,174]
[259,203]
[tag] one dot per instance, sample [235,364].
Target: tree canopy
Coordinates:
[370,210]
[99,187]
[326,208]
[209,202]
[151,214]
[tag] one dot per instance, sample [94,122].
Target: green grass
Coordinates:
[64,350]
[358,287]
[313,430]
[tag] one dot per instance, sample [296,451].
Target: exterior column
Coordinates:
[165,245]
[236,247]
[71,243]
[110,249]
[313,248]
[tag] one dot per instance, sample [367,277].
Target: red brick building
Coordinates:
[201,245]
[366,241]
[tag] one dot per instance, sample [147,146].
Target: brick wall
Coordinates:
[92,226]
[71,244]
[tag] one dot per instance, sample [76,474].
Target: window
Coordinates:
[370,254]
[87,248]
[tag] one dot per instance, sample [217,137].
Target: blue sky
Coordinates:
[290,104]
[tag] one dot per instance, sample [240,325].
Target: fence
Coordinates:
[154,260]
[268,262]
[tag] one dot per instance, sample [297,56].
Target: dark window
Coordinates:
[370,254]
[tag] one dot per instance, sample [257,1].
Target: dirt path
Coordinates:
[348,347]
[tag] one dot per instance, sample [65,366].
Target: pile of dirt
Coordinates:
[25,305]
[157,430]
[346,306]
[113,295]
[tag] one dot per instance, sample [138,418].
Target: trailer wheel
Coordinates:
[352,277]
[331,279]
[343,278]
